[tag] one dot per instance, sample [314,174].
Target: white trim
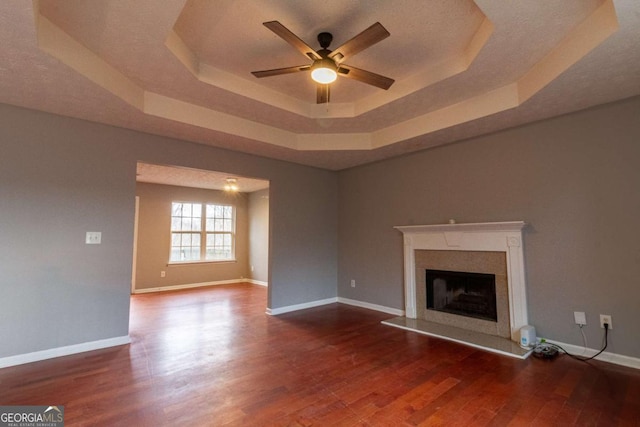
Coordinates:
[617,359]
[198,262]
[347,301]
[506,226]
[296,307]
[190,285]
[257,282]
[370,306]
[490,236]
[134,263]
[51,353]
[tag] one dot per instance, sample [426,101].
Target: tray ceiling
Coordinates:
[182,69]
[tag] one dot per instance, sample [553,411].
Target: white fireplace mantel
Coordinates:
[488,236]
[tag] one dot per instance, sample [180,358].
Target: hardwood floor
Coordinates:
[211,357]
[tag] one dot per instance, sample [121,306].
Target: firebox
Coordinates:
[462,293]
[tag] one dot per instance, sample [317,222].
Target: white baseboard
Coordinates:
[51,353]
[190,285]
[257,282]
[296,307]
[370,306]
[617,359]
[376,307]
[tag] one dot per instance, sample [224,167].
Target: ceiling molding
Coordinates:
[227,81]
[430,75]
[578,42]
[594,30]
[57,43]
[483,105]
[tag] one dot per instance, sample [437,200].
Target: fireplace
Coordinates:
[483,263]
[487,249]
[462,293]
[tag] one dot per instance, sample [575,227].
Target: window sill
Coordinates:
[187,263]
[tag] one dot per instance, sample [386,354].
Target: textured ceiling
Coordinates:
[195,178]
[181,68]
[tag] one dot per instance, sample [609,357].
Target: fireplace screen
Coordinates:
[466,294]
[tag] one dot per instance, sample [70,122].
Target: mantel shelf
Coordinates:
[468,227]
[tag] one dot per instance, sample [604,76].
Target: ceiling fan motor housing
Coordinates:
[324,39]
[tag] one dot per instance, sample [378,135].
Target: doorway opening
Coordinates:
[188,211]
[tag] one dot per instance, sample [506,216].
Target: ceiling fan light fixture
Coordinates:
[324,71]
[327,63]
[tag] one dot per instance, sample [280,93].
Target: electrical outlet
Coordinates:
[93,238]
[163,273]
[580,317]
[353,283]
[606,318]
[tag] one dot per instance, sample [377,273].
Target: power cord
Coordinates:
[546,345]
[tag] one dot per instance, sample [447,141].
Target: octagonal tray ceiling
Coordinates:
[183,69]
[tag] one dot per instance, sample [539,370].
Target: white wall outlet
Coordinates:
[93,238]
[163,273]
[353,283]
[580,317]
[606,318]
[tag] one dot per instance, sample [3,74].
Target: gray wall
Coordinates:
[575,179]
[56,183]
[259,235]
[154,237]
[61,177]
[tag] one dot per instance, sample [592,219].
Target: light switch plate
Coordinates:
[93,238]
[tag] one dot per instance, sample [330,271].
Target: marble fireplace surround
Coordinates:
[491,236]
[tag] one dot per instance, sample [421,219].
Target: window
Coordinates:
[219,231]
[201,232]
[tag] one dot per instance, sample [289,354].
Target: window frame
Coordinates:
[203,233]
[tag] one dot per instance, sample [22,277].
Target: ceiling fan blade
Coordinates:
[365,76]
[365,39]
[322,94]
[292,39]
[278,71]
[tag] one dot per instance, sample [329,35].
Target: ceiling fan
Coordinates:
[327,64]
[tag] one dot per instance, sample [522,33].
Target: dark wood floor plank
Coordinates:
[212,357]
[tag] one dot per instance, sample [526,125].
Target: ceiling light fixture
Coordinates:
[324,71]
[231,185]
[328,63]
